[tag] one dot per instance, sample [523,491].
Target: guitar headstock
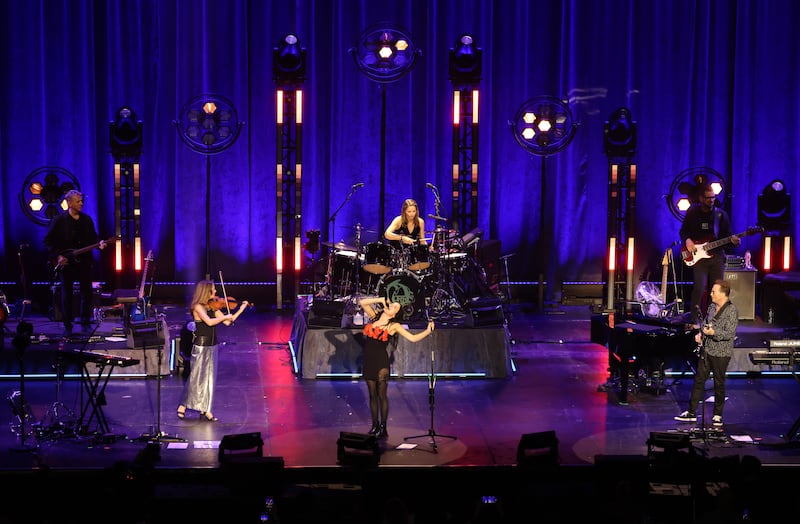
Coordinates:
[754,230]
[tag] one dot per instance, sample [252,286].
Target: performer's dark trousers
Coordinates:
[71,273]
[706,365]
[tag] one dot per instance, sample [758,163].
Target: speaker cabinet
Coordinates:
[324,313]
[743,291]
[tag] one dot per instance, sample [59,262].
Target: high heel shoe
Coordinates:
[374,430]
[206,416]
[181,412]
[382,433]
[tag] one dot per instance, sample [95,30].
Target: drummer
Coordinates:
[408,228]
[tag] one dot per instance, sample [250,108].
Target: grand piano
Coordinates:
[642,348]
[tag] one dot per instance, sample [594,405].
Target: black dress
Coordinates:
[376,350]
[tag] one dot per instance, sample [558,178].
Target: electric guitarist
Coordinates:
[705,222]
[68,239]
[715,339]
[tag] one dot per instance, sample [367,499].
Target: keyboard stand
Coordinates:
[95,390]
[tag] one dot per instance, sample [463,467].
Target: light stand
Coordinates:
[431,403]
[208,124]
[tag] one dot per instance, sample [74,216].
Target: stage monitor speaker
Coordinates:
[538,450]
[357,449]
[326,313]
[485,312]
[743,291]
[147,333]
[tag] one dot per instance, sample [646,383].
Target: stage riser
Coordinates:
[330,352]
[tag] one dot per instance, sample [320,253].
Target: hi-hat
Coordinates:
[339,245]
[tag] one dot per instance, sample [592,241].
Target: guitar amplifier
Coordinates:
[743,291]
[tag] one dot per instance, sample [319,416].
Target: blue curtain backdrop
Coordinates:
[709,84]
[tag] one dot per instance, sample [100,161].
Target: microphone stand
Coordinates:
[332,232]
[431,403]
[159,436]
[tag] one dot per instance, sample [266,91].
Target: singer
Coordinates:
[379,334]
[716,338]
[407,228]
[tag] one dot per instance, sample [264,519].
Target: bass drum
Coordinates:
[407,289]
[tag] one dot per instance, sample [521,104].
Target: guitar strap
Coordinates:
[720,310]
[717,218]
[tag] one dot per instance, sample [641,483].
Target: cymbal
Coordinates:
[339,246]
[363,229]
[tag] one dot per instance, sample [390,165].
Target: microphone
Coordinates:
[356,186]
[430,186]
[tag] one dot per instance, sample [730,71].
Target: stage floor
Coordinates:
[558,381]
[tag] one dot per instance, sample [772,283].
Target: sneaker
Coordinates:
[716,420]
[686,416]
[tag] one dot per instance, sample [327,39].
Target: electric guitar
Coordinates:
[72,254]
[698,350]
[701,251]
[140,311]
[664,271]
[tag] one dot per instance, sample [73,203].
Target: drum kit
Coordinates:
[425,275]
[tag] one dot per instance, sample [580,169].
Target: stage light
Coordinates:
[289,61]
[208,124]
[465,61]
[619,134]
[125,136]
[385,53]
[774,211]
[687,185]
[42,195]
[544,125]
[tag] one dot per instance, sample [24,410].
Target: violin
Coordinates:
[220,303]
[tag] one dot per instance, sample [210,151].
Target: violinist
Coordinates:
[208,311]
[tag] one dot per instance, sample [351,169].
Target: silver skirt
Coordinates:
[198,392]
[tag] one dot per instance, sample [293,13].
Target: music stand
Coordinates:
[431,403]
[158,338]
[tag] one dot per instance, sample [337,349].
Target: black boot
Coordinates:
[374,429]
[382,432]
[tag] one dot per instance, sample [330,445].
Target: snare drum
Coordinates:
[418,257]
[378,258]
[405,288]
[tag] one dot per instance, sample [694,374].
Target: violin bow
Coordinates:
[224,293]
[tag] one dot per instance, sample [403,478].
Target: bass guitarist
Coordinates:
[705,222]
[72,232]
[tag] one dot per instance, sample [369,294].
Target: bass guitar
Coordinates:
[701,251]
[72,254]
[139,313]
